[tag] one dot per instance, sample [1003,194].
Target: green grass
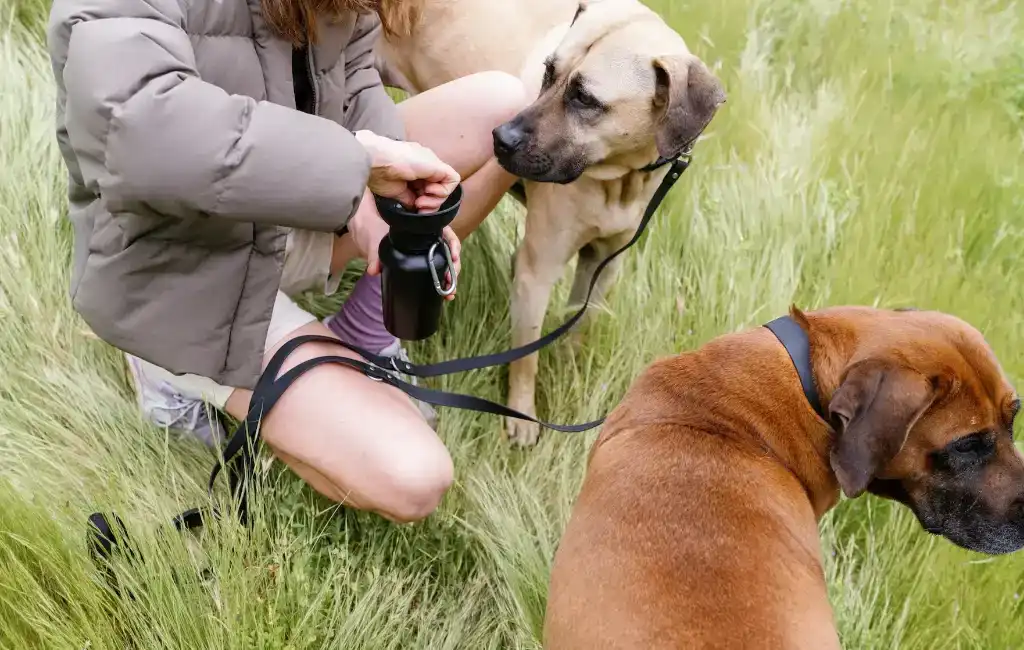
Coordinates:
[870,152]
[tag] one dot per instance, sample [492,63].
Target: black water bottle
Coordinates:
[414,260]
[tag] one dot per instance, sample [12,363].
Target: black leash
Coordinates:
[239,453]
[679,165]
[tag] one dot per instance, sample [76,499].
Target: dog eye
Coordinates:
[965,453]
[976,444]
[579,96]
[586,99]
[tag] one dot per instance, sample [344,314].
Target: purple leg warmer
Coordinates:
[360,321]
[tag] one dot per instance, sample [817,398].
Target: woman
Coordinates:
[221,159]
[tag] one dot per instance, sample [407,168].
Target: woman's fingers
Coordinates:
[446,177]
[412,174]
[436,190]
[435,177]
[448,283]
[455,246]
[428,203]
[407,197]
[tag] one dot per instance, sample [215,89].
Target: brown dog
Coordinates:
[697,522]
[616,88]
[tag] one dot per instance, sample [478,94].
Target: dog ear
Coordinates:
[580,8]
[872,411]
[686,97]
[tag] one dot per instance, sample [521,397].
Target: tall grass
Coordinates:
[870,152]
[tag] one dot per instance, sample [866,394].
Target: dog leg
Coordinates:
[539,262]
[587,261]
[610,275]
[590,257]
[586,264]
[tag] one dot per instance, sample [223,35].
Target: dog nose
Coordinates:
[507,138]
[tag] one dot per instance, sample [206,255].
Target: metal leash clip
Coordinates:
[451,268]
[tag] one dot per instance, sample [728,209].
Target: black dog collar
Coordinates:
[794,339]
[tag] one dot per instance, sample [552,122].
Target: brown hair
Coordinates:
[296,20]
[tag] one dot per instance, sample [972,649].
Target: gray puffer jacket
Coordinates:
[188,162]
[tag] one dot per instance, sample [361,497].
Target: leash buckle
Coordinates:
[376,373]
[686,156]
[682,161]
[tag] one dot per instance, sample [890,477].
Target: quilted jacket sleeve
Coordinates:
[369,106]
[147,131]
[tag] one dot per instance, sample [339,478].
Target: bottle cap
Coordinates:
[419,223]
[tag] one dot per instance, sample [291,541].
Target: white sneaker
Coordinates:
[396,350]
[164,406]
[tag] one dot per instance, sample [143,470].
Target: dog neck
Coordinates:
[833,344]
[609,171]
[803,444]
[624,189]
[835,340]
[620,166]
[741,388]
[828,359]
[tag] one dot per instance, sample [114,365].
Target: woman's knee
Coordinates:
[501,95]
[456,119]
[410,487]
[403,484]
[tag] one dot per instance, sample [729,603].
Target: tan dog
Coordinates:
[697,522]
[616,90]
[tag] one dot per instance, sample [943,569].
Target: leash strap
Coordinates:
[794,339]
[269,388]
[679,165]
[240,451]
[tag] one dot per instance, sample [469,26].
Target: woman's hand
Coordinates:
[366,228]
[411,174]
[456,248]
[408,172]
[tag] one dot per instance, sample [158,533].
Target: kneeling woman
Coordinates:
[222,157]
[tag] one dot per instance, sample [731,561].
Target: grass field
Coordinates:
[871,152]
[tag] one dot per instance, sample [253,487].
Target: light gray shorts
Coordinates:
[307,266]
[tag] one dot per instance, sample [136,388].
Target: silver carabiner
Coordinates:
[433,272]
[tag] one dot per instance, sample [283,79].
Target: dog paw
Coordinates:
[522,433]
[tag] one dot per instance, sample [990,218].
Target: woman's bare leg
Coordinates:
[455,121]
[361,442]
[356,441]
